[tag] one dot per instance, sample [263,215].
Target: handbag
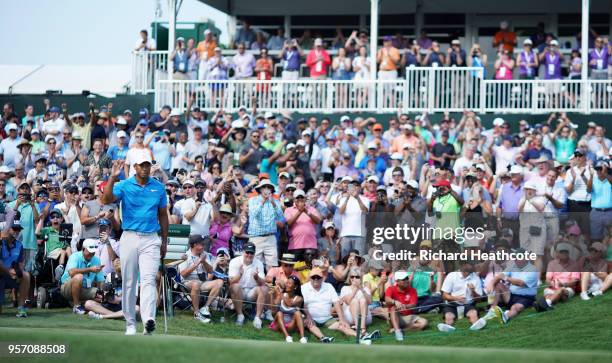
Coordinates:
[535,231]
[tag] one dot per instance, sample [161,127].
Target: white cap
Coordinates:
[498,121]
[397,156]
[527,42]
[35,131]
[372,145]
[347,179]
[299,193]
[301,143]
[306,132]
[121,133]
[213,141]
[142,157]
[413,184]
[328,224]
[188,182]
[406,126]
[480,166]
[345,118]
[530,184]
[349,132]
[207,31]
[283,174]
[318,41]
[49,137]
[554,42]
[269,115]
[175,112]
[290,146]
[12,126]
[90,245]
[5,169]
[121,120]
[400,275]
[516,169]
[373,178]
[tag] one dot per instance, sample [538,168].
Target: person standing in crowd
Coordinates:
[600,188]
[180,58]
[265,217]
[318,60]
[243,63]
[578,194]
[140,198]
[527,61]
[504,39]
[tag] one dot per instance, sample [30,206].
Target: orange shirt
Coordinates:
[388,58]
[206,47]
[507,38]
[264,63]
[397,146]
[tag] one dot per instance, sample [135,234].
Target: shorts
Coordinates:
[452,308]
[112,307]
[327,323]
[29,258]
[266,249]
[248,294]
[86,294]
[349,317]
[550,291]
[6,283]
[526,301]
[595,283]
[54,255]
[374,304]
[217,86]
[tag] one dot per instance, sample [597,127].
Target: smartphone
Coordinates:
[351,187]
[200,196]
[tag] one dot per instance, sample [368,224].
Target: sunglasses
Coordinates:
[87,193]
[355,277]
[188,187]
[198,161]
[51,142]
[299,182]
[55,217]
[394,175]
[599,168]
[315,277]
[248,253]
[139,137]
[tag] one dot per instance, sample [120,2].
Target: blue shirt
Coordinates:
[11,255]
[263,218]
[381,166]
[77,260]
[117,153]
[28,235]
[140,204]
[601,195]
[530,276]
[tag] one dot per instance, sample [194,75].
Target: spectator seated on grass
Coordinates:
[12,267]
[83,272]
[400,299]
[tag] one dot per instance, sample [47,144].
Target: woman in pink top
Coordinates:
[302,220]
[221,228]
[504,66]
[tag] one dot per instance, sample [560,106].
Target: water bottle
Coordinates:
[222,319]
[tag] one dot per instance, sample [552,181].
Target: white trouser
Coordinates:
[140,256]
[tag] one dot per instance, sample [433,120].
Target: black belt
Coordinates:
[580,201]
[602,209]
[266,235]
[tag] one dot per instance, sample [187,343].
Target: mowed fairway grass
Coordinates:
[577,331]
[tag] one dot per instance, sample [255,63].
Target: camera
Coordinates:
[65,232]
[108,290]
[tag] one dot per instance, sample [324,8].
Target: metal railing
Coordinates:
[147,68]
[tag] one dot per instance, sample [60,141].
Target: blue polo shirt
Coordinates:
[139,204]
[77,260]
[530,276]
[11,255]
[601,196]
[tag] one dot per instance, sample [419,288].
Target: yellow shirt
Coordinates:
[303,273]
[373,281]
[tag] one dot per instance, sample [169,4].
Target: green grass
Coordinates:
[575,331]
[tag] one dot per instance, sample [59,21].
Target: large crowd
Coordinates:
[541,56]
[276,209]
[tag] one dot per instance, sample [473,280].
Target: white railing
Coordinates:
[147,68]
[432,89]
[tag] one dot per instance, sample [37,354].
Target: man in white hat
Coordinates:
[533,224]
[552,60]
[318,60]
[143,203]
[9,146]
[265,217]
[528,61]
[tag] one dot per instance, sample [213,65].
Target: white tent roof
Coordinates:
[103,79]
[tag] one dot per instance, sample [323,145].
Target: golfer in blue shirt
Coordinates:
[143,204]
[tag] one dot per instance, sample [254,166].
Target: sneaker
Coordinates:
[289,339]
[149,327]
[205,311]
[22,312]
[240,320]
[446,328]
[399,336]
[95,316]
[541,305]
[479,324]
[303,340]
[584,296]
[435,310]
[597,293]
[364,341]
[268,315]
[257,322]
[130,330]
[327,339]
[79,309]
[373,335]
[59,271]
[501,316]
[201,318]
[490,314]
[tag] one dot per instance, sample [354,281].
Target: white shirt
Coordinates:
[200,223]
[319,303]
[56,125]
[194,259]
[104,256]
[326,156]
[559,194]
[246,281]
[461,163]
[72,216]
[456,285]
[503,157]
[9,151]
[353,217]
[579,193]
[150,45]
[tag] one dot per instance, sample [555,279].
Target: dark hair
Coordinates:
[297,290]
[144,31]
[213,163]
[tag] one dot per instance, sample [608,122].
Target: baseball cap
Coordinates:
[347,179]
[527,42]
[372,145]
[188,182]
[413,184]
[425,243]
[121,133]
[401,275]
[283,174]
[318,42]
[90,245]
[554,42]
[329,224]
[16,224]
[563,247]
[250,247]
[299,193]
[142,157]
[455,42]
[222,251]
[300,143]
[143,122]
[56,212]
[598,246]
[12,127]
[54,109]
[269,115]
[498,121]
[121,120]
[530,184]
[442,183]
[377,127]
[373,178]
[397,156]
[345,118]
[516,169]
[315,272]
[306,132]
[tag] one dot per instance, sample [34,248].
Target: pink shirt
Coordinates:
[558,274]
[224,234]
[302,234]
[280,274]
